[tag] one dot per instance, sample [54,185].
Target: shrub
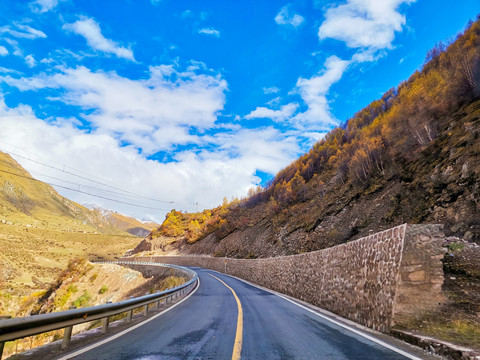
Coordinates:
[455,246]
[83,300]
[72,289]
[103,289]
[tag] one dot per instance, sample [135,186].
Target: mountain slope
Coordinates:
[25,200]
[411,156]
[41,231]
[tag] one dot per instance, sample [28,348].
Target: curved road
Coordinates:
[209,325]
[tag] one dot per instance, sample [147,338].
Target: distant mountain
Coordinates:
[126,223]
[411,156]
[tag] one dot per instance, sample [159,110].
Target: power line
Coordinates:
[35,154]
[94,181]
[85,178]
[37,174]
[83,192]
[104,197]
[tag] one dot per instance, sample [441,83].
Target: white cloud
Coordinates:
[24,83]
[271,90]
[14,44]
[285,112]
[41,6]
[314,93]
[153,114]
[22,31]
[3,51]
[210,31]
[274,102]
[284,17]
[205,177]
[317,119]
[90,30]
[30,61]
[47,61]
[9,71]
[364,23]
[187,14]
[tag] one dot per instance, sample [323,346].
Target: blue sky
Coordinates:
[189,102]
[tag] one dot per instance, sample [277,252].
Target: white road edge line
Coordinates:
[97,344]
[345,326]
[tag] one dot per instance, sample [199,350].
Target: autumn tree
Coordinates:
[297,184]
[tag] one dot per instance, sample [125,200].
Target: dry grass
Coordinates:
[458,321]
[31,258]
[460,330]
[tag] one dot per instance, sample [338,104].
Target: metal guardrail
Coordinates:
[17,328]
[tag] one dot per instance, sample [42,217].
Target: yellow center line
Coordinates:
[237,348]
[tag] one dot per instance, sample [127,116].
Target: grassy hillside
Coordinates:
[411,156]
[24,201]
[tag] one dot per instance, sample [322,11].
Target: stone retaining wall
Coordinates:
[376,281]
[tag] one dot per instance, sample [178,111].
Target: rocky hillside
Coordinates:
[410,156]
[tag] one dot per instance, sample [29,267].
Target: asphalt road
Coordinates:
[207,325]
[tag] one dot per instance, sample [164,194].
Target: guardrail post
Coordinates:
[105,322]
[67,333]
[2,344]
[129,315]
[145,309]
